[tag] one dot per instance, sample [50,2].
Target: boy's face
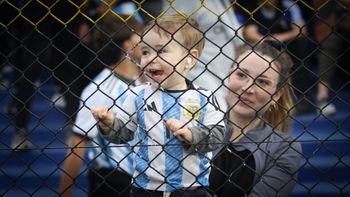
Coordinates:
[163,61]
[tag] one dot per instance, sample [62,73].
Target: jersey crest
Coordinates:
[191,109]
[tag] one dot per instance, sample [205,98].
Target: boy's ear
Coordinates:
[191,60]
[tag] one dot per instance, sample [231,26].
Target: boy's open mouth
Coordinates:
[155,74]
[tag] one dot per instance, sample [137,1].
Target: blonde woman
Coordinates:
[260,158]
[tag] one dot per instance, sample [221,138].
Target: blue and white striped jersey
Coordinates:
[161,160]
[106,90]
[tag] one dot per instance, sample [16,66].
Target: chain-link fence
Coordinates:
[63,60]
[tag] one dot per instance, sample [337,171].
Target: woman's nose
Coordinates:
[248,85]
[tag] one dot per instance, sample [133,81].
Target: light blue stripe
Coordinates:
[102,156]
[203,108]
[174,148]
[94,155]
[141,157]
[203,176]
[107,153]
[122,92]
[124,151]
[130,160]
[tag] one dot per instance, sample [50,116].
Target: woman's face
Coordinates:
[252,85]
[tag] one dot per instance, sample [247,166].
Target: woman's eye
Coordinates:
[262,82]
[144,53]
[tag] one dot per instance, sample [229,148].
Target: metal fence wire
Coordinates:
[194,104]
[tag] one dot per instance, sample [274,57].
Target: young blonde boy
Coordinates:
[177,124]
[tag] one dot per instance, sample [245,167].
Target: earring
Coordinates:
[189,60]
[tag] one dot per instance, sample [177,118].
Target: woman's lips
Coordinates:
[246,100]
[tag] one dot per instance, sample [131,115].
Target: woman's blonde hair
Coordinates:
[277,115]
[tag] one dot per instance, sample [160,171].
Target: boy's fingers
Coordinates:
[172,124]
[99,113]
[168,123]
[94,113]
[179,134]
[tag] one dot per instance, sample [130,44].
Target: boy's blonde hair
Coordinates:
[186,28]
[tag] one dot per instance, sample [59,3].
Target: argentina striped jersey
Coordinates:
[161,160]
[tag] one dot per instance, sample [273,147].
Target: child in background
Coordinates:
[110,165]
[177,124]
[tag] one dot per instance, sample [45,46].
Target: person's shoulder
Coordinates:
[89,90]
[100,77]
[141,87]
[285,140]
[205,92]
[279,136]
[201,90]
[274,135]
[210,96]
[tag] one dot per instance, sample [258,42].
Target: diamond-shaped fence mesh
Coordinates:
[174,98]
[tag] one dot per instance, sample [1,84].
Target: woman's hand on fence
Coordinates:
[179,130]
[104,118]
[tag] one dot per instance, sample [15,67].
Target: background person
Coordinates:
[332,32]
[110,165]
[45,44]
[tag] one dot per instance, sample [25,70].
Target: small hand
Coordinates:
[104,118]
[179,130]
